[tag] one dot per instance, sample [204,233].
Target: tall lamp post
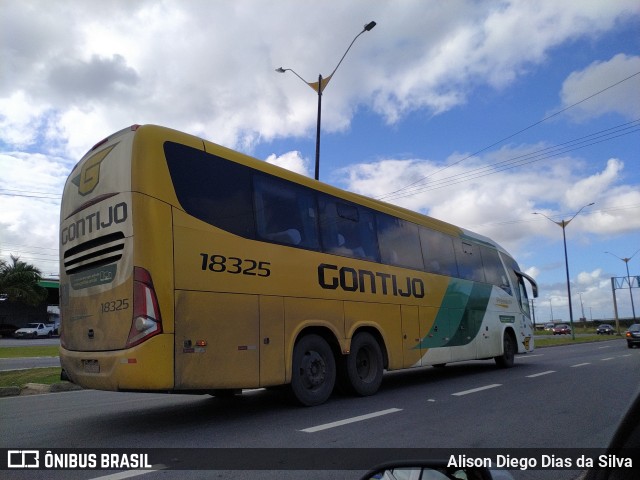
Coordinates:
[563,224]
[319,87]
[626,261]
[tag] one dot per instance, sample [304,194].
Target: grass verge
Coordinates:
[19,378]
[35,351]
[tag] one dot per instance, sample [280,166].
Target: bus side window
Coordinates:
[212,189]
[399,242]
[437,252]
[347,229]
[469,261]
[285,213]
[493,270]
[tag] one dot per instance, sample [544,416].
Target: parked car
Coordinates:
[605,329]
[633,335]
[34,330]
[561,329]
[549,326]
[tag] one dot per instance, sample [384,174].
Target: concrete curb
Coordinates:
[38,389]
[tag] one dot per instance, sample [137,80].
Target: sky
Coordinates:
[476,113]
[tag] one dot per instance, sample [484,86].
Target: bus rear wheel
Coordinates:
[363,367]
[313,370]
[507,358]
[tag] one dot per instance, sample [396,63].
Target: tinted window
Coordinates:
[212,189]
[469,261]
[347,229]
[493,270]
[399,242]
[285,213]
[437,251]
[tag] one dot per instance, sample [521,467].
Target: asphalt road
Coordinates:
[561,397]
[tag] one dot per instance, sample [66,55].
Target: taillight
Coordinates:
[146,321]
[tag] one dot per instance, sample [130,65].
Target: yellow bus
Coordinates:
[188,267]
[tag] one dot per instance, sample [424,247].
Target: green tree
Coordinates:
[19,282]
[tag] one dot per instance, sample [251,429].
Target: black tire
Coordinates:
[507,358]
[364,366]
[313,372]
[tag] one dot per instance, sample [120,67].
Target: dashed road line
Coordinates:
[347,421]
[581,364]
[541,373]
[474,390]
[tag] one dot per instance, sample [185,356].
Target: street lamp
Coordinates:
[626,261]
[319,87]
[564,224]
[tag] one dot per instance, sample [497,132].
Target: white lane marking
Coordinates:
[605,346]
[608,358]
[479,389]
[131,473]
[529,355]
[541,373]
[581,364]
[346,421]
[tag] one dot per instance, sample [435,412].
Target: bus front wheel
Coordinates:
[313,370]
[364,365]
[509,351]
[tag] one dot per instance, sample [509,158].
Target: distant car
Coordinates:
[561,329]
[605,329]
[34,330]
[549,326]
[633,335]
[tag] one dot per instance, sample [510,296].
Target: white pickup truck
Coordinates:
[34,330]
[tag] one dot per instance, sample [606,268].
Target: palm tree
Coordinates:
[19,282]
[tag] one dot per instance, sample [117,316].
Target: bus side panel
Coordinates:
[411,351]
[272,360]
[436,334]
[216,340]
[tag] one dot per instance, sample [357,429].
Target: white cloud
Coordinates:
[623,99]
[291,161]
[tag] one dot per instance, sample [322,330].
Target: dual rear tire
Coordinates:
[315,369]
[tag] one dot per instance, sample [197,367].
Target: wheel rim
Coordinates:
[313,370]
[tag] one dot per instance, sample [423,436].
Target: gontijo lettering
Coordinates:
[115,214]
[332,277]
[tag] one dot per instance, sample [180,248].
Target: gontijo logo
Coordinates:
[90,172]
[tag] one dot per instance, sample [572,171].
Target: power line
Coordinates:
[426,177]
[520,160]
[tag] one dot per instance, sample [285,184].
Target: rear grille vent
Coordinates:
[94,253]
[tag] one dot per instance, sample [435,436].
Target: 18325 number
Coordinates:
[235,265]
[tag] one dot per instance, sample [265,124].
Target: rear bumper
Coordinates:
[148,366]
